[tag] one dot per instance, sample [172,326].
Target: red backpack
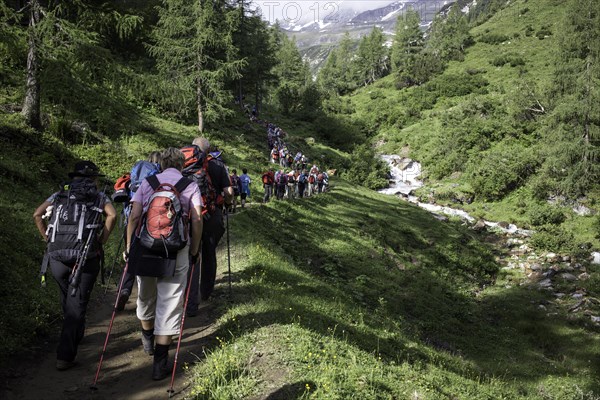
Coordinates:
[121,194]
[267,178]
[164,228]
[311,179]
[193,155]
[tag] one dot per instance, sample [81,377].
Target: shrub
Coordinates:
[543,33]
[501,170]
[367,170]
[462,84]
[529,30]
[545,214]
[512,59]
[554,238]
[493,38]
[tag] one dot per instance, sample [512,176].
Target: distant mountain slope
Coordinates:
[316,37]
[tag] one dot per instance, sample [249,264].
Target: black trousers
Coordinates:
[74,307]
[205,276]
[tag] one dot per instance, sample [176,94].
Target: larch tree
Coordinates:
[195,56]
[575,125]
[372,58]
[407,44]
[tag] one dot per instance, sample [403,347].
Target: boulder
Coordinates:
[568,277]
[479,226]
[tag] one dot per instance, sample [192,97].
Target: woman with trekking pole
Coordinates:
[162,279]
[75,234]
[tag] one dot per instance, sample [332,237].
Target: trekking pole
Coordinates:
[187,295]
[93,386]
[228,254]
[112,268]
[75,277]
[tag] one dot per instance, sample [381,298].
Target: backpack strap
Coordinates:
[182,184]
[153,181]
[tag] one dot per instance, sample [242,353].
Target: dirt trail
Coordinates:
[126,369]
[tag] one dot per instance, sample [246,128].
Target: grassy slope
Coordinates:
[352,294]
[425,135]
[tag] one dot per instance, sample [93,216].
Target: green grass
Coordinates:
[453,134]
[357,295]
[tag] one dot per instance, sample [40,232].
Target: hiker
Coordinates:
[162,278]
[268,179]
[236,184]
[320,181]
[140,171]
[245,181]
[281,180]
[75,227]
[291,185]
[216,192]
[302,182]
[274,155]
[312,184]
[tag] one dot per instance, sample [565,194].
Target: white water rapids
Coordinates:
[404,180]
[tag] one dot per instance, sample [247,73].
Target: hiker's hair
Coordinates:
[172,158]
[202,143]
[154,157]
[245,170]
[234,171]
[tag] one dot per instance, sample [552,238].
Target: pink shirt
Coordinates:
[191,194]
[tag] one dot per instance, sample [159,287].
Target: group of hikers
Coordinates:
[293,178]
[175,204]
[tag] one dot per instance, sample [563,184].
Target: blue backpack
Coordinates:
[140,171]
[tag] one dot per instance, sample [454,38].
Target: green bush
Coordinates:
[512,59]
[554,238]
[543,32]
[529,30]
[366,169]
[545,214]
[501,170]
[462,84]
[493,38]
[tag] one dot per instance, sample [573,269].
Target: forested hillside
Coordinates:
[349,294]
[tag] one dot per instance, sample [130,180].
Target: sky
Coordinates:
[303,11]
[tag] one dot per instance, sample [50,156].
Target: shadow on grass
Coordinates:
[395,269]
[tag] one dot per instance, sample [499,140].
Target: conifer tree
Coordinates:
[66,61]
[253,40]
[408,42]
[193,47]
[31,105]
[575,130]
[292,73]
[449,35]
[372,60]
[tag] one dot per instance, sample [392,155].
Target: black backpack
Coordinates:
[77,210]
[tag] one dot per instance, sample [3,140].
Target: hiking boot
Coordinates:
[148,344]
[123,298]
[63,365]
[191,312]
[160,367]
[160,372]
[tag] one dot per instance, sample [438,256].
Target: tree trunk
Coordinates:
[199,105]
[31,105]
[257,97]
